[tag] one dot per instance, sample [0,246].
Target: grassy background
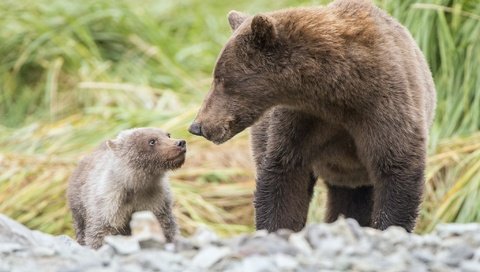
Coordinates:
[73,73]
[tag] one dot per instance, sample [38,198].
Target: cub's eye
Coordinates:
[168,135]
[152,142]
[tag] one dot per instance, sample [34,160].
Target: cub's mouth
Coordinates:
[175,160]
[175,163]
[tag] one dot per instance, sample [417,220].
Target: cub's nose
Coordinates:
[181,143]
[195,129]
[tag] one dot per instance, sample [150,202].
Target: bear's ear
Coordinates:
[264,31]
[236,18]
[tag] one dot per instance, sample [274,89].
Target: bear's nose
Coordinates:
[181,143]
[195,129]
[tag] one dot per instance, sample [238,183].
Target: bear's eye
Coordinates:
[168,135]
[152,142]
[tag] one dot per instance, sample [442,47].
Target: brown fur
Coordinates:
[340,92]
[122,176]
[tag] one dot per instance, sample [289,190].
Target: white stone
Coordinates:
[208,256]
[122,244]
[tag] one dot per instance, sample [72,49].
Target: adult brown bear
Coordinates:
[340,92]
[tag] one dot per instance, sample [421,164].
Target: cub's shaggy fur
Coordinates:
[122,176]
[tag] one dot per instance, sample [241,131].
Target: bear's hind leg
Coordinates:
[394,150]
[356,203]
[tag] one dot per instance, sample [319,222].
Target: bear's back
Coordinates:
[374,43]
[399,46]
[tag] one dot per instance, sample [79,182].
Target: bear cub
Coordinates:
[122,176]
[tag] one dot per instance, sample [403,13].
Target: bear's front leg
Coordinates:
[282,198]
[395,153]
[284,176]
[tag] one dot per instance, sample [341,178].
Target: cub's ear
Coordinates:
[264,31]
[111,144]
[236,18]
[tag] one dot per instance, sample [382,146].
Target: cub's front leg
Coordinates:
[96,232]
[164,215]
[167,221]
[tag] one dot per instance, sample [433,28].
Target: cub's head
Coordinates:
[148,149]
[246,79]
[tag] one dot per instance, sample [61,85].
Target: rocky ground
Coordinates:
[342,246]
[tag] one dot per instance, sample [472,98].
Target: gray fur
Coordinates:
[122,176]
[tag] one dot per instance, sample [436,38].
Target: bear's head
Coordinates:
[248,76]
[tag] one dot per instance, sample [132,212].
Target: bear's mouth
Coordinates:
[223,135]
[220,140]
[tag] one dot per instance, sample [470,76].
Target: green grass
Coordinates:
[449,34]
[73,73]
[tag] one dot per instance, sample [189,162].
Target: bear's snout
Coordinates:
[195,129]
[217,133]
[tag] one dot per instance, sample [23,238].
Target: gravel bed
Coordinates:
[341,246]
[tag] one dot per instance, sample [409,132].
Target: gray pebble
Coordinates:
[209,256]
[316,235]
[204,236]
[448,230]
[43,252]
[470,266]
[285,262]
[10,247]
[258,264]
[106,252]
[341,246]
[331,246]
[123,245]
[476,255]
[300,243]
[154,260]
[423,255]
[264,245]
[396,235]
[5,267]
